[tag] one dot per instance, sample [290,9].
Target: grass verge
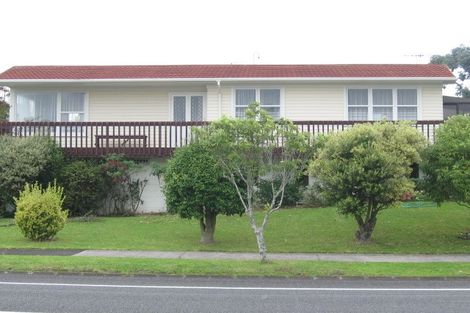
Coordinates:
[128,266]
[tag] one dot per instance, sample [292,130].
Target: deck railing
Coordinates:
[148,139]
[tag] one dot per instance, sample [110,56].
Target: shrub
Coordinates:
[125,192]
[312,198]
[84,186]
[26,160]
[447,162]
[39,213]
[4,110]
[367,169]
[195,188]
[293,192]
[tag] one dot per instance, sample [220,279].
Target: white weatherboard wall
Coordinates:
[133,103]
[302,100]
[154,200]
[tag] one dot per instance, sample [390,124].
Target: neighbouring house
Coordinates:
[455,105]
[146,112]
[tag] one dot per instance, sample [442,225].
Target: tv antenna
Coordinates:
[417,56]
[256,57]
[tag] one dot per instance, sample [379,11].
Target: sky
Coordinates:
[118,32]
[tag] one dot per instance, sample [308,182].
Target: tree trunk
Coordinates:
[207,224]
[364,233]
[261,244]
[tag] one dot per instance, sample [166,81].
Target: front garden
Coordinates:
[399,230]
[225,188]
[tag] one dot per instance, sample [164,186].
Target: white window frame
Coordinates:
[370,111]
[258,97]
[188,104]
[59,104]
[14,94]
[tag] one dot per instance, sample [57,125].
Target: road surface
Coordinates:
[75,293]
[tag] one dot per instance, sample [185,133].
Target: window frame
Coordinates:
[187,95]
[58,93]
[370,107]
[257,89]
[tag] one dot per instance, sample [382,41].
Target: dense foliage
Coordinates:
[39,213]
[124,189]
[195,188]
[85,187]
[4,106]
[367,169]
[26,160]
[293,192]
[447,162]
[458,59]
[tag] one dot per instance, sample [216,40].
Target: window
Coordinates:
[72,107]
[407,104]
[50,106]
[358,104]
[269,99]
[382,103]
[188,108]
[36,107]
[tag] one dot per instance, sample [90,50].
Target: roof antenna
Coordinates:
[256,57]
[417,57]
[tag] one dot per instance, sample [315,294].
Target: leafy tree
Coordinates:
[254,151]
[367,169]
[4,106]
[458,59]
[195,188]
[447,162]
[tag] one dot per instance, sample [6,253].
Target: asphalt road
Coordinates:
[69,293]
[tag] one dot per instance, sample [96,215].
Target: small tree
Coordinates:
[447,162]
[256,150]
[367,169]
[195,188]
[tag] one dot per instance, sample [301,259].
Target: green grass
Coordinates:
[399,230]
[126,266]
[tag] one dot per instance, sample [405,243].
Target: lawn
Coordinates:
[71,264]
[399,230]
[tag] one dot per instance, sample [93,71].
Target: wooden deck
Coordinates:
[148,139]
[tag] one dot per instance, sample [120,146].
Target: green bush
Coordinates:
[447,162]
[293,192]
[26,160]
[124,191]
[39,213]
[4,110]
[84,186]
[195,188]
[367,169]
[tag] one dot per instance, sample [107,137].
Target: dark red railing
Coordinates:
[148,139]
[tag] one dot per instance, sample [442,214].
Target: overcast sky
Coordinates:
[105,32]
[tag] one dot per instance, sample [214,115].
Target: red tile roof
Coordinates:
[227,71]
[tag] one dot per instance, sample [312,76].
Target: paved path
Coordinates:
[194,255]
[341,257]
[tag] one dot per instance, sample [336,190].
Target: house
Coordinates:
[455,105]
[148,111]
